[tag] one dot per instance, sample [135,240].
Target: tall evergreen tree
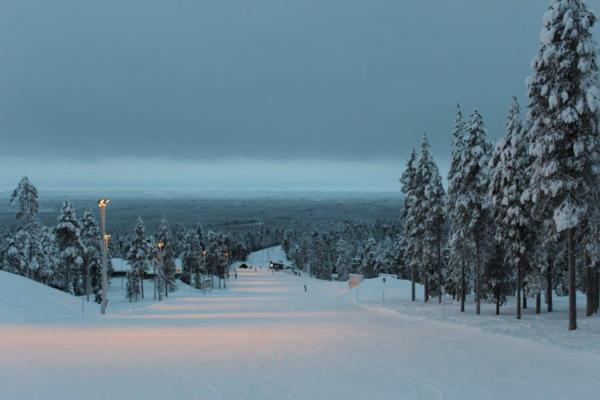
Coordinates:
[471,197]
[92,259]
[459,252]
[27,196]
[508,180]
[138,258]
[563,109]
[410,238]
[191,258]
[435,225]
[70,247]
[168,267]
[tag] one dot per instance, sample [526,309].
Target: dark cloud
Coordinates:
[266,79]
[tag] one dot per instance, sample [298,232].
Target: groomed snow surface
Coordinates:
[266,338]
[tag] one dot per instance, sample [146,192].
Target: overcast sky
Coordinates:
[242,95]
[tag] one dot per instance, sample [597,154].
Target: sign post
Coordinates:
[355,281]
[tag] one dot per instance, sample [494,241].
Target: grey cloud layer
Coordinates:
[205,80]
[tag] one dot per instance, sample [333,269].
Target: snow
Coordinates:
[24,300]
[266,338]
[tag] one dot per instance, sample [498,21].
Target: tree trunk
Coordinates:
[497,302]
[463,290]
[426,288]
[519,284]
[67,278]
[596,289]
[589,291]
[538,303]
[439,264]
[142,283]
[477,279]
[524,301]
[572,282]
[413,294]
[549,285]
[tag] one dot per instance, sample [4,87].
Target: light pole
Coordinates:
[160,245]
[227,271]
[102,203]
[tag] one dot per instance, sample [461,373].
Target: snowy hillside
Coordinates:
[542,328]
[24,300]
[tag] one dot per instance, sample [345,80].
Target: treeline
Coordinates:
[333,250]
[519,218]
[68,255]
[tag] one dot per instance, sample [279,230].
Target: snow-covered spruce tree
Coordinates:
[430,220]
[508,180]
[421,209]
[435,224]
[191,259]
[49,262]
[138,259]
[496,277]
[343,260]
[29,249]
[410,238]
[168,268]
[71,250]
[92,258]
[471,197]
[132,288]
[459,235]
[563,109]
[27,196]
[369,266]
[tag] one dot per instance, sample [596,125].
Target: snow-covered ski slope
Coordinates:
[25,300]
[266,338]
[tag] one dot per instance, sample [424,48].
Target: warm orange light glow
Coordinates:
[106,237]
[160,245]
[102,203]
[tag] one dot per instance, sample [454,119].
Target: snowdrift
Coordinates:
[24,300]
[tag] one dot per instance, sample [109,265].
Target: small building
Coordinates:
[121,267]
[280,265]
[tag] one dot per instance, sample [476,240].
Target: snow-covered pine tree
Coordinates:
[27,196]
[495,276]
[71,250]
[92,259]
[133,286]
[138,259]
[472,195]
[421,210]
[343,260]
[563,109]
[409,188]
[168,268]
[191,259]
[430,220]
[49,263]
[369,266]
[508,180]
[459,235]
[435,226]
[27,239]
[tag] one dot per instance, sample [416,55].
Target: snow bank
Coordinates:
[24,300]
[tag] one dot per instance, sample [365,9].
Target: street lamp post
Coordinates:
[160,245]
[102,203]
[226,274]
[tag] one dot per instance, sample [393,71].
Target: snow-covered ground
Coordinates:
[266,338]
[546,327]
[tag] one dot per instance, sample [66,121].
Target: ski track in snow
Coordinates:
[265,338]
